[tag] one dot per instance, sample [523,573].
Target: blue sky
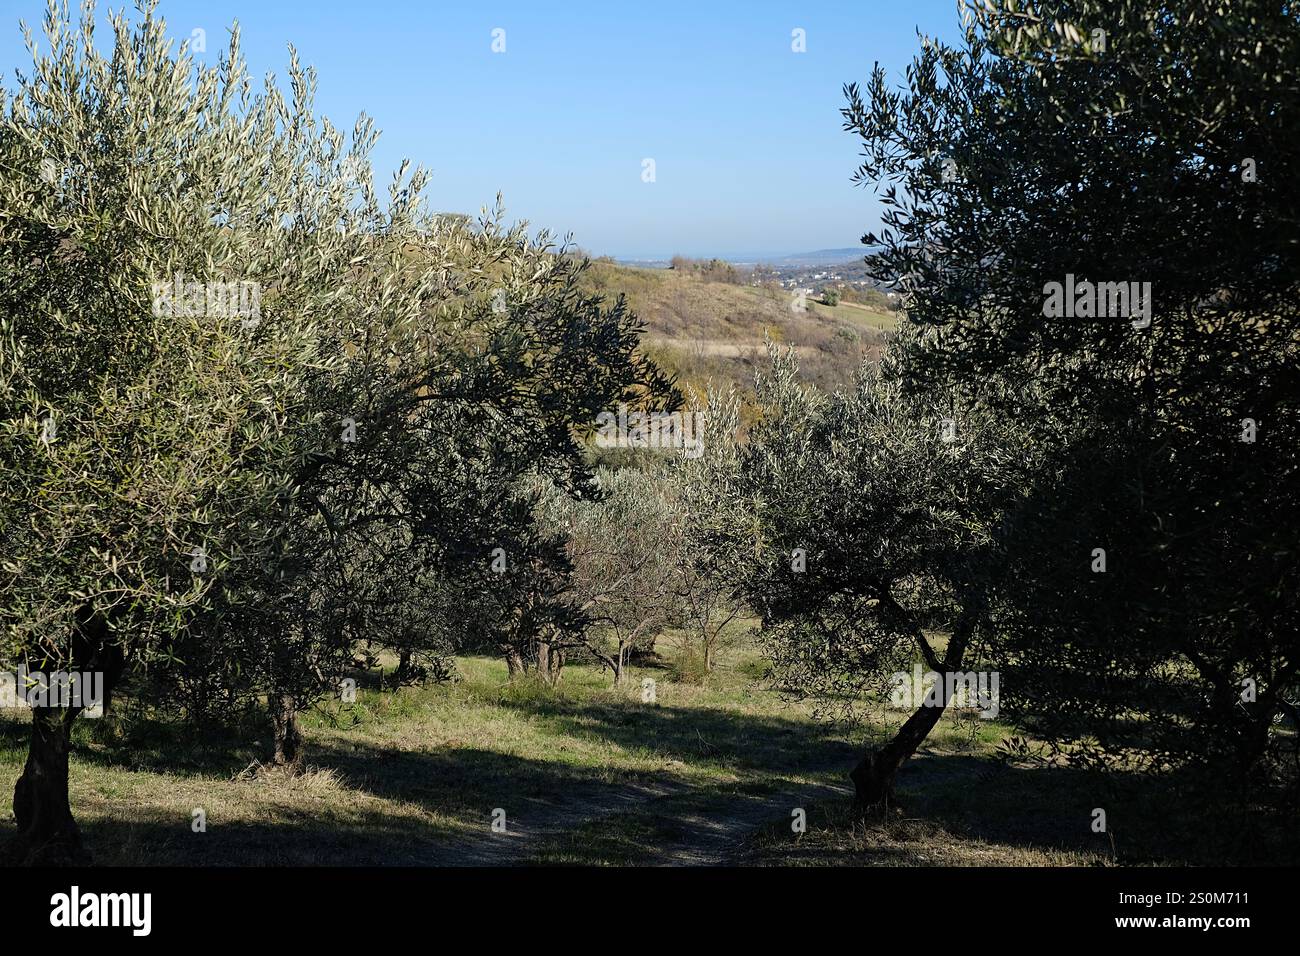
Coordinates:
[745,134]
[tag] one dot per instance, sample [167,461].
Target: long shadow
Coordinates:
[1148,819]
[754,746]
[467,783]
[458,788]
[745,742]
[153,840]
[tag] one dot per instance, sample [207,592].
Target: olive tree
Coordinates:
[619,545]
[227,367]
[705,586]
[866,532]
[139,411]
[1091,210]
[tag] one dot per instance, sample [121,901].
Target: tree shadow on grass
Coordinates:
[747,744]
[150,838]
[954,798]
[357,804]
[437,804]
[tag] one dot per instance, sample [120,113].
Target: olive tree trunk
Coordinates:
[47,833]
[288,738]
[873,777]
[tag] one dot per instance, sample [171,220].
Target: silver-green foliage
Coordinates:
[857,530]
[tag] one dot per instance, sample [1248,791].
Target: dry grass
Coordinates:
[714,332]
[835,837]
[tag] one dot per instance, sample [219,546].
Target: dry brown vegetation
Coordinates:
[715,332]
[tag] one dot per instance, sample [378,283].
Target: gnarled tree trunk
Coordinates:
[543,648]
[47,833]
[873,777]
[550,658]
[514,660]
[288,738]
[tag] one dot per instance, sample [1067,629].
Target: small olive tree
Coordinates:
[705,586]
[865,532]
[619,544]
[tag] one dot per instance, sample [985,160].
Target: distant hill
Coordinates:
[822,257]
[819,257]
[714,331]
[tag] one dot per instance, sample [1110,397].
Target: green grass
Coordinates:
[589,774]
[408,775]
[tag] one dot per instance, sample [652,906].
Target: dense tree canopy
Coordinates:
[1137,147]
[196,483]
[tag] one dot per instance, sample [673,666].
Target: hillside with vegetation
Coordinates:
[713,330]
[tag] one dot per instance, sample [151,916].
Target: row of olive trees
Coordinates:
[632,563]
[237,501]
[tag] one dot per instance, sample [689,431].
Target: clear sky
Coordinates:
[745,134]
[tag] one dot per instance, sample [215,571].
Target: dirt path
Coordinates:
[717,837]
[537,821]
[713,825]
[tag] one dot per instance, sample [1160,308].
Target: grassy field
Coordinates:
[707,774]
